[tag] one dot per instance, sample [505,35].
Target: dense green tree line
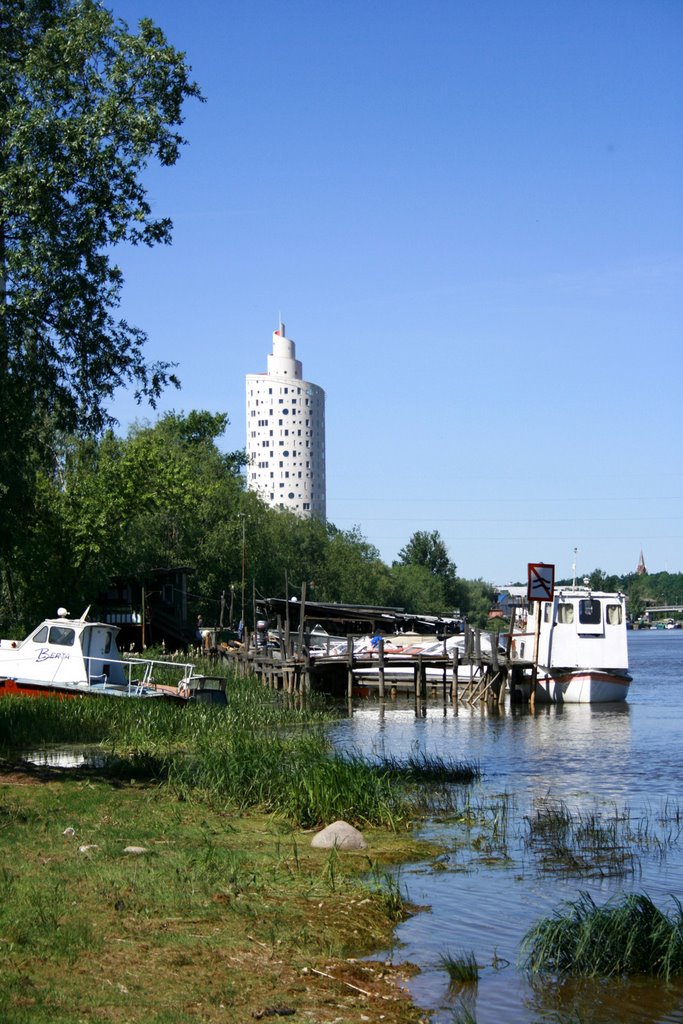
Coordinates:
[166,495]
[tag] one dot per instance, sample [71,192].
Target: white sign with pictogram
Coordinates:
[541,583]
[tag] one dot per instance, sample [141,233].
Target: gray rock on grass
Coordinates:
[339,834]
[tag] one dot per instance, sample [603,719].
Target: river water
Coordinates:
[619,764]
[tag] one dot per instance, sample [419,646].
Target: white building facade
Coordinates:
[286,434]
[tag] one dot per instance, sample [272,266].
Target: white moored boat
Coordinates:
[66,657]
[582,648]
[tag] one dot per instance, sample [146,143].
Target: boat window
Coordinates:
[41,636]
[614,614]
[62,635]
[547,611]
[565,613]
[589,612]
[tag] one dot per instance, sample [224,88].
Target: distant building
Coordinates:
[641,569]
[286,434]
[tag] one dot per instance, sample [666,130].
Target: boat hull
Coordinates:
[581,686]
[13,688]
[65,691]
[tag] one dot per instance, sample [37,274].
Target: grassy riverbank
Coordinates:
[228,914]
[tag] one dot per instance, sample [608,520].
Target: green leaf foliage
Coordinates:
[85,105]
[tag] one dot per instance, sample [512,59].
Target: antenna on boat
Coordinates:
[84,616]
[574,568]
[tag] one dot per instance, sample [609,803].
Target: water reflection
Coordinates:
[63,757]
[628,1001]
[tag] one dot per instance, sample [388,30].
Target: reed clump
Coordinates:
[617,939]
[461,968]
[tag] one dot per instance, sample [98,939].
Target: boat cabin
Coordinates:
[578,628]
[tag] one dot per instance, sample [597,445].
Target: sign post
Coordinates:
[540,587]
[541,581]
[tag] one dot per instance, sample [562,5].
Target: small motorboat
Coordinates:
[66,657]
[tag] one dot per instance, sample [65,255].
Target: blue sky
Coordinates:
[470,217]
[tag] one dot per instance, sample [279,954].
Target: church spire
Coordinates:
[641,569]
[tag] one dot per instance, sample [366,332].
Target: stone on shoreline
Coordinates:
[339,834]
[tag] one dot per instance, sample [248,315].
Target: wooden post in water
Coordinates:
[423,678]
[511,631]
[302,617]
[493,639]
[534,667]
[380,655]
[349,667]
[306,674]
[454,687]
[495,667]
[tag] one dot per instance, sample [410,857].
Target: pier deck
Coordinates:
[469,675]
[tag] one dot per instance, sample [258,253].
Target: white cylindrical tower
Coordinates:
[282,361]
[286,433]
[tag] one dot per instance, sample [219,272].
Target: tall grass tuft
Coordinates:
[461,969]
[297,777]
[422,767]
[631,937]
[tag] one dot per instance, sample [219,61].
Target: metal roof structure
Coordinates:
[349,618]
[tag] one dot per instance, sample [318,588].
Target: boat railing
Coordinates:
[157,674]
[141,674]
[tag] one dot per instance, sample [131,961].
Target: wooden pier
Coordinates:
[470,675]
